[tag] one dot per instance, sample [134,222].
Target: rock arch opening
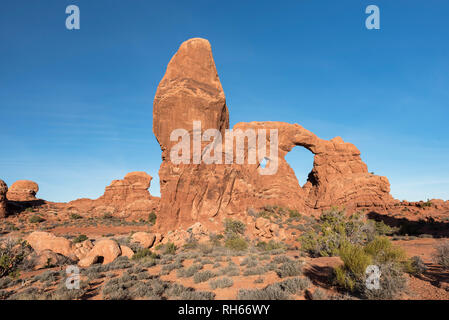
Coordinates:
[300,160]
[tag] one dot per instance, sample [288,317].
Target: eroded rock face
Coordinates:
[23,190]
[3,201]
[191,91]
[127,198]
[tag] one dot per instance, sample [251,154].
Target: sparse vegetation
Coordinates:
[36,219]
[152,218]
[380,252]
[221,283]
[145,254]
[11,255]
[441,254]
[334,228]
[80,238]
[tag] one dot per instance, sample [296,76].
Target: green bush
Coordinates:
[326,236]
[234,227]
[12,254]
[36,219]
[221,283]
[80,238]
[152,218]
[236,243]
[169,248]
[391,261]
[270,245]
[144,254]
[75,216]
[294,214]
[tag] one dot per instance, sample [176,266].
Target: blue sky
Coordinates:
[76,106]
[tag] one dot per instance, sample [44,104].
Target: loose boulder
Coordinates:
[145,239]
[41,241]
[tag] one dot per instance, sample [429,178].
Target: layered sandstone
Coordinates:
[191,91]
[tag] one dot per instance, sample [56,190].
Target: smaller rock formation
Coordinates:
[145,239]
[3,191]
[23,190]
[127,252]
[41,241]
[82,249]
[264,228]
[104,251]
[127,198]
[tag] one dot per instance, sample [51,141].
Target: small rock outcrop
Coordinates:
[41,241]
[145,239]
[104,251]
[3,201]
[23,190]
[127,198]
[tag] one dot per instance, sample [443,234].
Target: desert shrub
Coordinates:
[197,295]
[234,227]
[119,263]
[144,254]
[272,292]
[63,293]
[281,259]
[203,276]
[221,283]
[152,218]
[294,214]
[169,248]
[294,285]
[326,236]
[318,294]
[270,245]
[166,269]
[441,255]
[392,283]
[175,290]
[215,239]
[236,243]
[289,269]
[80,238]
[249,262]
[189,272]
[12,254]
[75,216]
[48,276]
[255,271]
[230,270]
[391,261]
[36,219]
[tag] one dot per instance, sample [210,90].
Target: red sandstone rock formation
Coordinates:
[191,91]
[127,198]
[3,191]
[23,190]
